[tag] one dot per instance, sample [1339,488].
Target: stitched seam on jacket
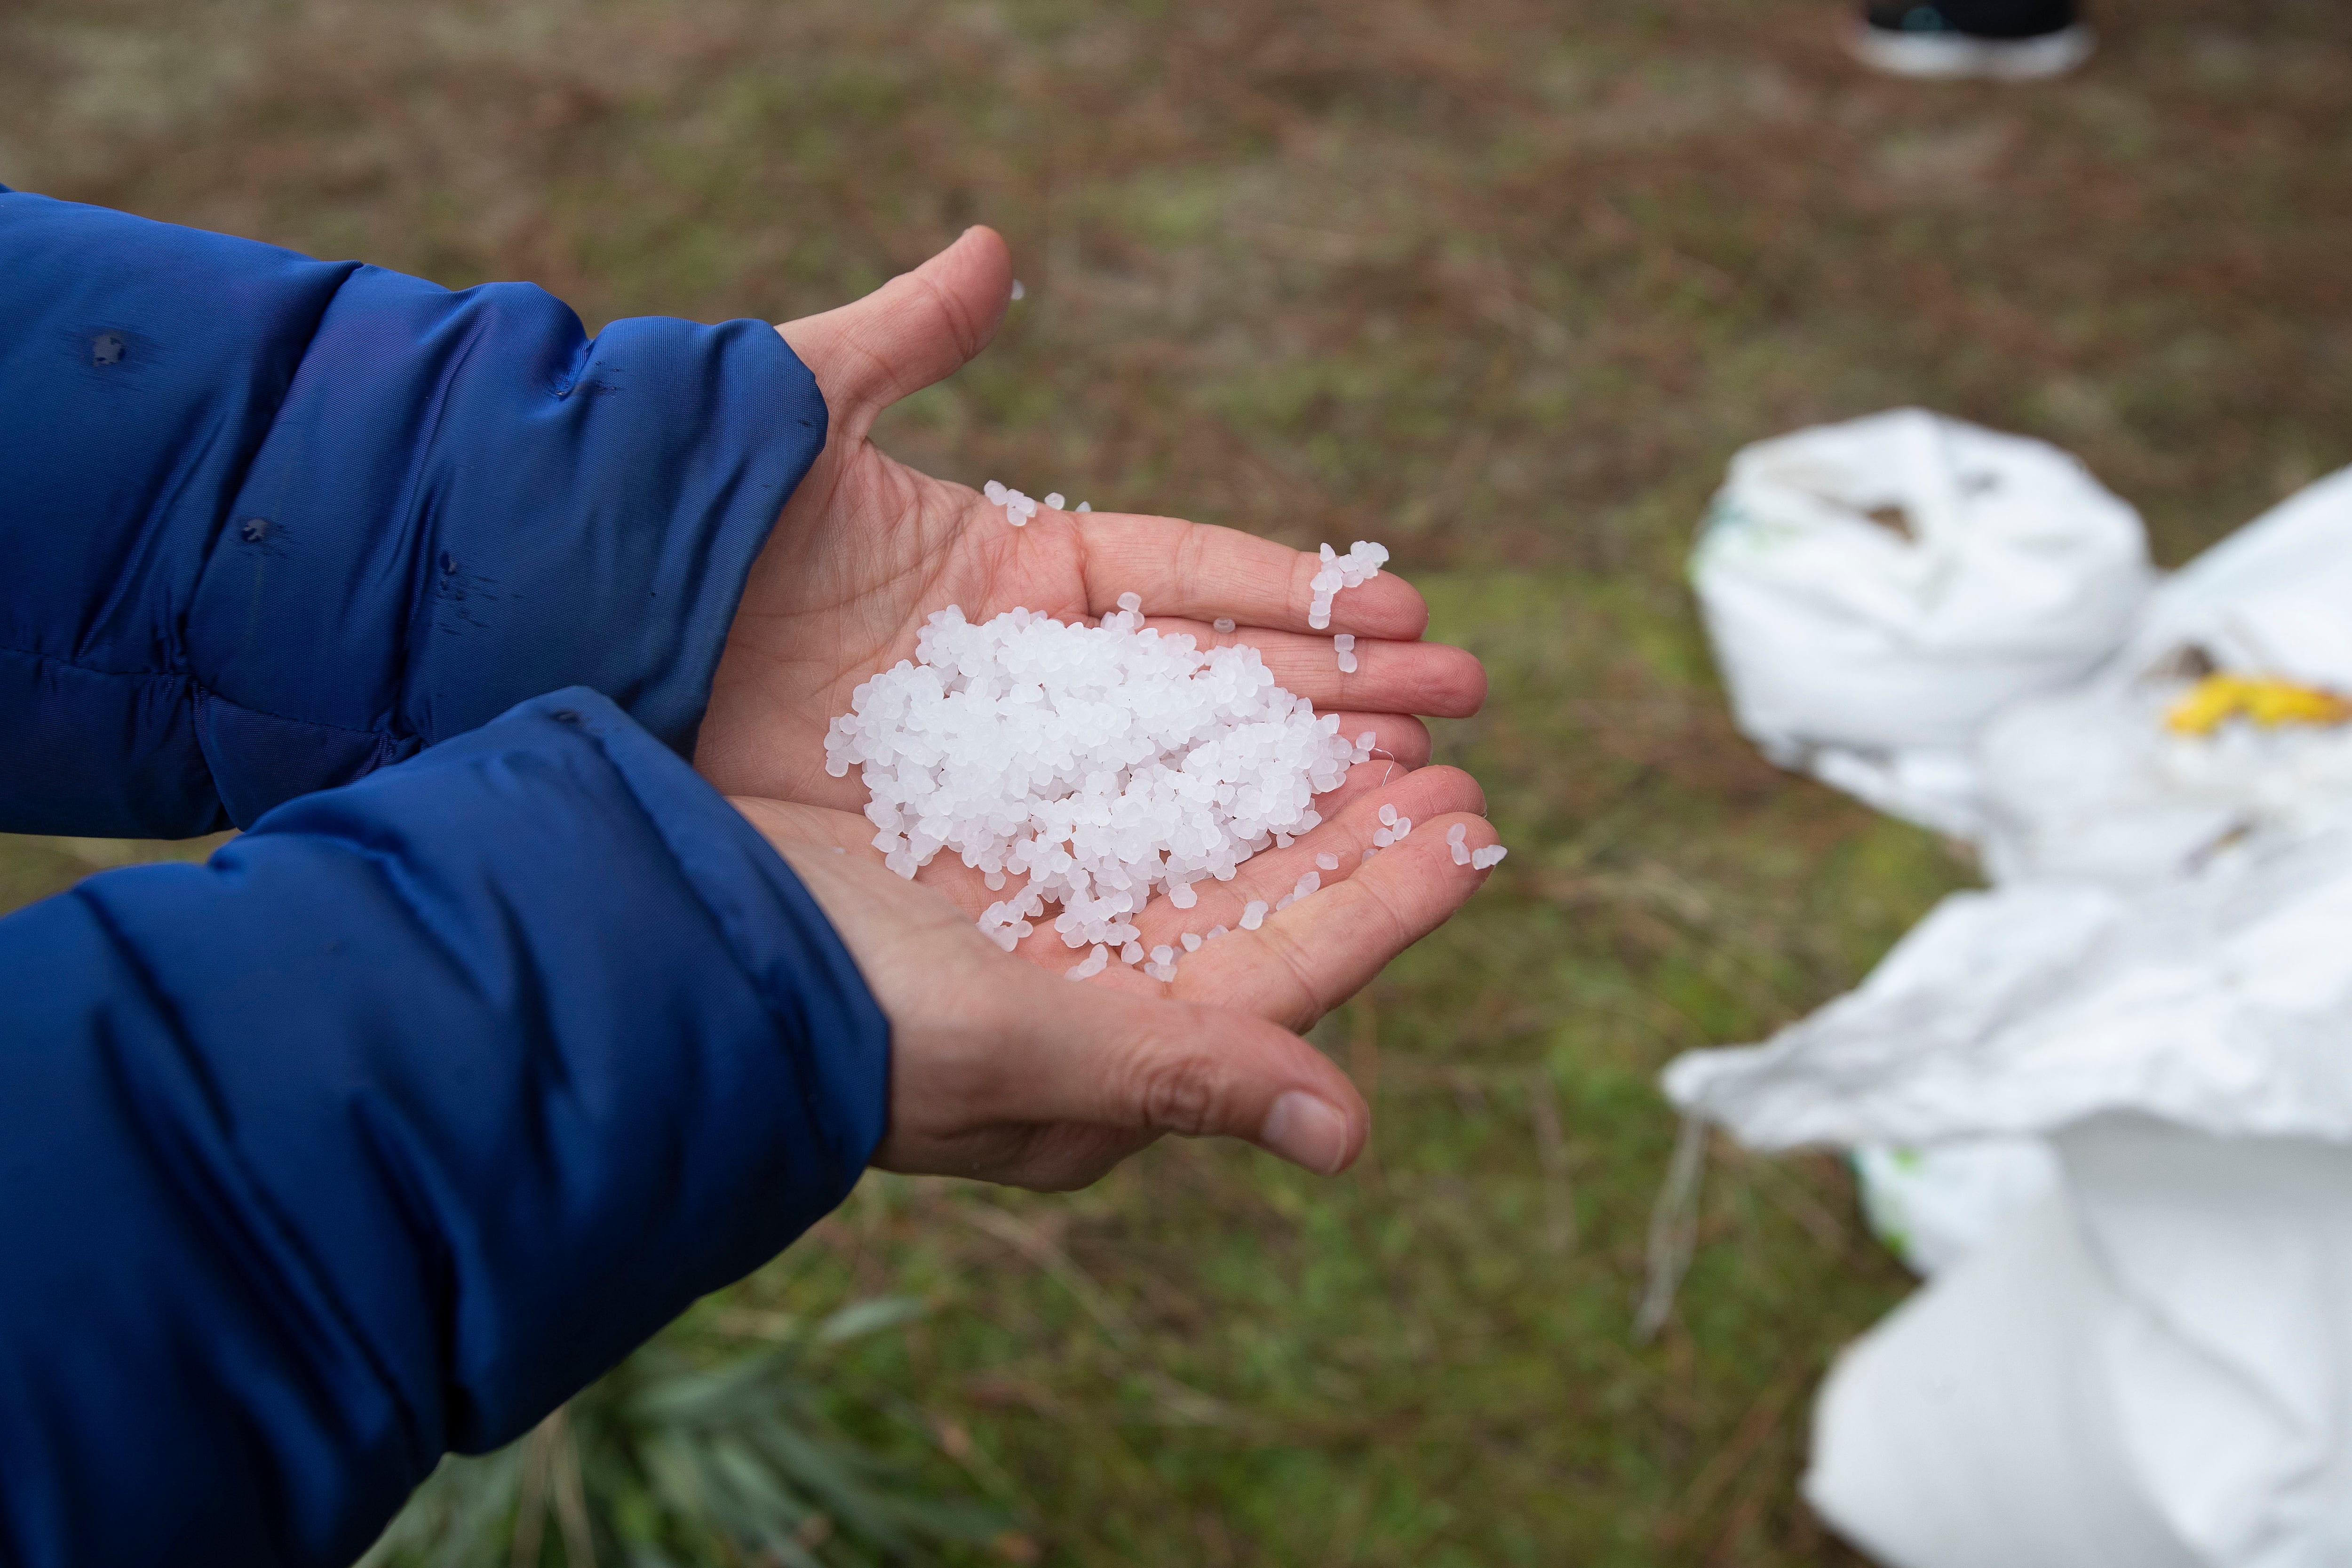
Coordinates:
[289,1235]
[197,687]
[420,563]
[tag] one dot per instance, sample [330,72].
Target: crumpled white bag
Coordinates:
[2222,1004]
[2089,784]
[2188,1053]
[1871,655]
[2138,1352]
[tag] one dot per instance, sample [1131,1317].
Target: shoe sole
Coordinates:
[1948,56]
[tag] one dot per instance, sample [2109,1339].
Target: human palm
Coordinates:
[868,548]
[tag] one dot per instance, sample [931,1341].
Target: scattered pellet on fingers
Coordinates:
[1360,565]
[1018,509]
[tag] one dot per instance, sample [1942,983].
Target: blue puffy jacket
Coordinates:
[497,1037]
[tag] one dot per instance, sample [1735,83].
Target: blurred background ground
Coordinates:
[1501,284]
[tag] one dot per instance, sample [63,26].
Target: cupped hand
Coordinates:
[1001,1068]
[868,548]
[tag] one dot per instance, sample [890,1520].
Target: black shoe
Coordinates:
[2008,40]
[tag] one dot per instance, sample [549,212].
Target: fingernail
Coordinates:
[1306,1131]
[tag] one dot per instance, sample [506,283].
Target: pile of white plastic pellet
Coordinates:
[1100,765]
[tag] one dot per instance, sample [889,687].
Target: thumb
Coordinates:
[1154,1065]
[919,328]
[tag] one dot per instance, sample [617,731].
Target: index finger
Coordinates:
[1200,570]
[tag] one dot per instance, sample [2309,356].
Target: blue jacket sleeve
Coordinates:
[269,523]
[379,1134]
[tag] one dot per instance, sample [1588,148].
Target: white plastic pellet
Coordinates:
[1346,664]
[1085,506]
[1403,826]
[1164,953]
[1460,852]
[1192,941]
[994,491]
[1131,953]
[1457,833]
[1382,837]
[1182,896]
[1490,855]
[1388,817]
[1308,884]
[1224,625]
[1054,499]
[1254,914]
[1214,932]
[1328,862]
[1131,603]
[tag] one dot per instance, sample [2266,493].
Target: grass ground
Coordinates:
[1501,284]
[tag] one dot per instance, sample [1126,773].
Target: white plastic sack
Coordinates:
[2089,784]
[1870,653]
[2149,1365]
[2186,1051]
[2223,1004]
[1973,1425]
[2150,1370]
[1933,1204]
[2273,596]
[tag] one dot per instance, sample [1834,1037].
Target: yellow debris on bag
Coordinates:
[2265,700]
